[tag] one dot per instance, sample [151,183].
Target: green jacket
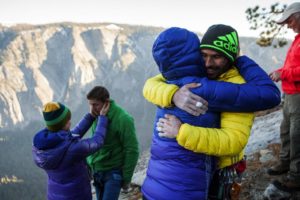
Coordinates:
[120,149]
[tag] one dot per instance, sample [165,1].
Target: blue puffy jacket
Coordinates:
[174,172]
[62,155]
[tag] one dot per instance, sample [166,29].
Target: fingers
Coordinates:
[168,126]
[196,108]
[195,98]
[197,111]
[162,125]
[171,120]
[93,113]
[192,85]
[105,108]
[166,135]
[199,104]
[192,103]
[163,122]
[169,117]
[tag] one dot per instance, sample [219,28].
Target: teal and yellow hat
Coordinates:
[223,39]
[56,115]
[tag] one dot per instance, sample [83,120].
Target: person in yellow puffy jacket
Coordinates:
[228,141]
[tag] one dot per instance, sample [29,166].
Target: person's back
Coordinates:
[176,52]
[61,152]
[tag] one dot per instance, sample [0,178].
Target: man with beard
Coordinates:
[220,49]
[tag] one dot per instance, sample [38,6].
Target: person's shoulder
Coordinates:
[120,113]
[233,76]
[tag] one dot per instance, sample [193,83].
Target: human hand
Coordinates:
[105,108]
[93,113]
[275,76]
[189,102]
[168,127]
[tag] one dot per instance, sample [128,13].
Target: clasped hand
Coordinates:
[189,102]
[168,127]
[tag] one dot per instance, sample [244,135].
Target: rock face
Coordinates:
[62,62]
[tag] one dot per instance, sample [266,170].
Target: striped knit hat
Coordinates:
[56,115]
[222,38]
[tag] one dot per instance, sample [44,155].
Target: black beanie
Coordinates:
[223,39]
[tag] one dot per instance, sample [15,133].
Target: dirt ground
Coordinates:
[255,178]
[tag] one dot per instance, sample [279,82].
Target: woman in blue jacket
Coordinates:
[61,152]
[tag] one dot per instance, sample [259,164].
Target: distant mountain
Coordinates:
[62,62]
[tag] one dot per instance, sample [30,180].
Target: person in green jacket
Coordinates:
[113,165]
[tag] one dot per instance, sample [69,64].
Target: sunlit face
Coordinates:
[95,106]
[293,22]
[215,63]
[67,126]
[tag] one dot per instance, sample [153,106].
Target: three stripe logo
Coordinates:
[228,42]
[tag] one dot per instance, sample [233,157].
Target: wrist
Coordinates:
[174,96]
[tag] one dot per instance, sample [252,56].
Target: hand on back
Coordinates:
[189,102]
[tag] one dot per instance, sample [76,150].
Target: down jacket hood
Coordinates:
[176,51]
[49,148]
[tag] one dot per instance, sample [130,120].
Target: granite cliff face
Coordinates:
[62,62]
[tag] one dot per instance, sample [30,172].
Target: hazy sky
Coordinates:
[196,15]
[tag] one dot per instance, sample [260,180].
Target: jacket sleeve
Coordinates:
[261,92]
[290,74]
[83,126]
[228,140]
[85,147]
[130,146]
[158,92]
[258,93]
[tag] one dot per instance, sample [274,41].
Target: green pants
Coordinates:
[290,135]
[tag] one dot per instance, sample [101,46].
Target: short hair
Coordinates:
[98,93]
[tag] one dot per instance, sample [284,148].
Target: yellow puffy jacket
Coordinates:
[227,142]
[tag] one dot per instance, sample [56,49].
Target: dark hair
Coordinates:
[98,93]
[296,15]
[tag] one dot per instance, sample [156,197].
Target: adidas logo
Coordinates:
[228,42]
